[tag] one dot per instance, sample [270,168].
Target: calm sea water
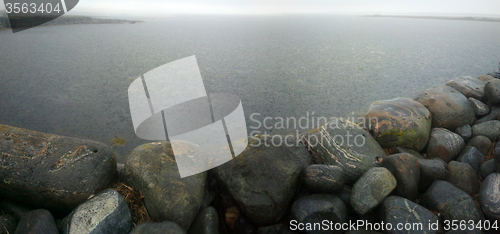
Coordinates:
[73,80]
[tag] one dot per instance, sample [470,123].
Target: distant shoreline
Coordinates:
[466,18]
[71,20]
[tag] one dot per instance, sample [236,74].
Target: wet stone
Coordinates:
[492,91]
[490,129]
[444,144]
[395,210]
[480,108]
[471,156]
[371,189]
[318,207]
[406,170]
[468,86]
[206,222]
[414,153]
[37,221]
[463,176]
[487,168]
[489,195]
[430,171]
[493,115]
[163,227]
[320,178]
[465,132]
[481,143]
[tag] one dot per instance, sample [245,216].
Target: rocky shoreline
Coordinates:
[432,160]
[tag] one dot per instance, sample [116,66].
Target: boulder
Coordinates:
[316,208]
[263,180]
[471,156]
[465,132]
[463,176]
[480,108]
[166,227]
[481,143]
[492,91]
[468,86]
[490,129]
[406,170]
[399,122]
[151,168]
[329,145]
[395,210]
[206,222]
[487,168]
[275,229]
[489,195]
[444,144]
[485,78]
[50,171]
[450,201]
[430,171]
[449,108]
[371,189]
[37,221]
[105,213]
[493,115]
[320,178]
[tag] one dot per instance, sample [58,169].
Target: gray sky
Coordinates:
[163,8]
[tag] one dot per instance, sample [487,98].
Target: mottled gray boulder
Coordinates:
[263,180]
[151,168]
[316,208]
[406,170]
[465,132]
[493,115]
[50,171]
[444,144]
[37,221]
[481,143]
[452,202]
[490,129]
[320,178]
[449,108]
[399,122]
[328,145]
[166,227]
[468,86]
[206,222]
[480,108]
[105,213]
[492,91]
[489,195]
[371,189]
[395,210]
[463,176]
[471,156]
[430,171]
[345,195]
[414,153]
[487,168]
[8,224]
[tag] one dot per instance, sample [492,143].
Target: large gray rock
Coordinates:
[206,222]
[471,156]
[490,129]
[406,170]
[444,144]
[316,208]
[487,168]
[489,195]
[329,145]
[480,108]
[430,171]
[463,176]
[452,202]
[37,221]
[105,213]
[493,115]
[492,91]
[152,169]
[166,227]
[263,180]
[468,86]
[414,153]
[399,122]
[320,178]
[481,143]
[395,210]
[50,171]
[371,189]
[449,108]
